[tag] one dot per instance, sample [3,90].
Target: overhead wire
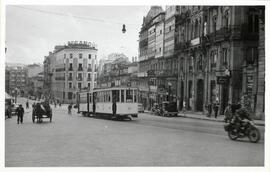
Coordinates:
[75,16]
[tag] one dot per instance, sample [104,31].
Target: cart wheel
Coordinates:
[33,119]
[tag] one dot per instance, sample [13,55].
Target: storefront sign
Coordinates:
[222,80]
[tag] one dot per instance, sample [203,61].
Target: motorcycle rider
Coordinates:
[240,118]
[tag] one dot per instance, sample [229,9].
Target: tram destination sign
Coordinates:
[222,80]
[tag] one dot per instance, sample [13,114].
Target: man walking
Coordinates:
[215,107]
[27,104]
[20,112]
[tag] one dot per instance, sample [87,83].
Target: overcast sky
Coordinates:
[33,31]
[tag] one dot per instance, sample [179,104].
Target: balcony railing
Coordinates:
[88,79]
[79,78]
[89,69]
[70,78]
[80,69]
[70,69]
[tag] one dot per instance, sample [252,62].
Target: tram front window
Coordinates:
[129,95]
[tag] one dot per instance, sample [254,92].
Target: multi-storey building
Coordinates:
[17,80]
[119,72]
[210,56]
[70,68]
[217,54]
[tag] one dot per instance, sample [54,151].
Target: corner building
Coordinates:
[72,69]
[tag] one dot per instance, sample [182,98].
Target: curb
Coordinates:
[212,119]
[207,119]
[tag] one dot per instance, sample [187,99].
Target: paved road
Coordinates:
[73,140]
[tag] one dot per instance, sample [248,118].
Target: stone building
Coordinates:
[212,54]
[70,68]
[119,72]
[16,80]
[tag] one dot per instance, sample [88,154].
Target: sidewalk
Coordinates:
[201,116]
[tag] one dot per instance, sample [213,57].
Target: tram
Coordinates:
[114,102]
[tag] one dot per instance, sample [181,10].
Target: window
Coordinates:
[122,95]
[88,84]
[89,56]
[70,85]
[70,95]
[80,67]
[170,28]
[89,75]
[213,58]
[115,94]
[79,75]
[253,22]
[214,20]
[80,55]
[79,85]
[224,57]
[200,63]
[159,49]
[129,95]
[252,55]
[70,75]
[71,55]
[135,96]
[226,19]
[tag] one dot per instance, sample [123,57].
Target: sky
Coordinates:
[33,31]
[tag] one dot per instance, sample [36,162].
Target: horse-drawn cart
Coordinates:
[41,111]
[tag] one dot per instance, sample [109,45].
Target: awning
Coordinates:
[7,96]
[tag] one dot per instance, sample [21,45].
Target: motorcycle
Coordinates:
[248,130]
[156,111]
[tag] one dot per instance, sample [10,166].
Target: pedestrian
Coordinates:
[114,108]
[20,112]
[228,113]
[209,110]
[55,104]
[27,105]
[69,108]
[215,107]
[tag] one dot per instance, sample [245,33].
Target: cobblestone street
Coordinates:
[73,140]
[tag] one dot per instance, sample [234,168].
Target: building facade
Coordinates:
[119,72]
[70,68]
[212,54]
[16,80]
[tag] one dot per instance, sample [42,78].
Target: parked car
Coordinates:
[14,107]
[140,108]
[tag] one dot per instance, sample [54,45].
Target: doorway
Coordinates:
[200,88]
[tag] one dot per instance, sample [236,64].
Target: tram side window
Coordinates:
[90,98]
[109,96]
[129,95]
[115,95]
[135,96]
[122,96]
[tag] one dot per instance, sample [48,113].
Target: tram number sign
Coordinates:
[222,80]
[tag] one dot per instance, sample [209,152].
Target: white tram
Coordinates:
[101,102]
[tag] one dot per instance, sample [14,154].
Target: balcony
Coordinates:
[70,69]
[80,69]
[166,73]
[79,78]
[70,78]
[89,69]
[88,79]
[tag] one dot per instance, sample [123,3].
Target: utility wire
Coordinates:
[75,16]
